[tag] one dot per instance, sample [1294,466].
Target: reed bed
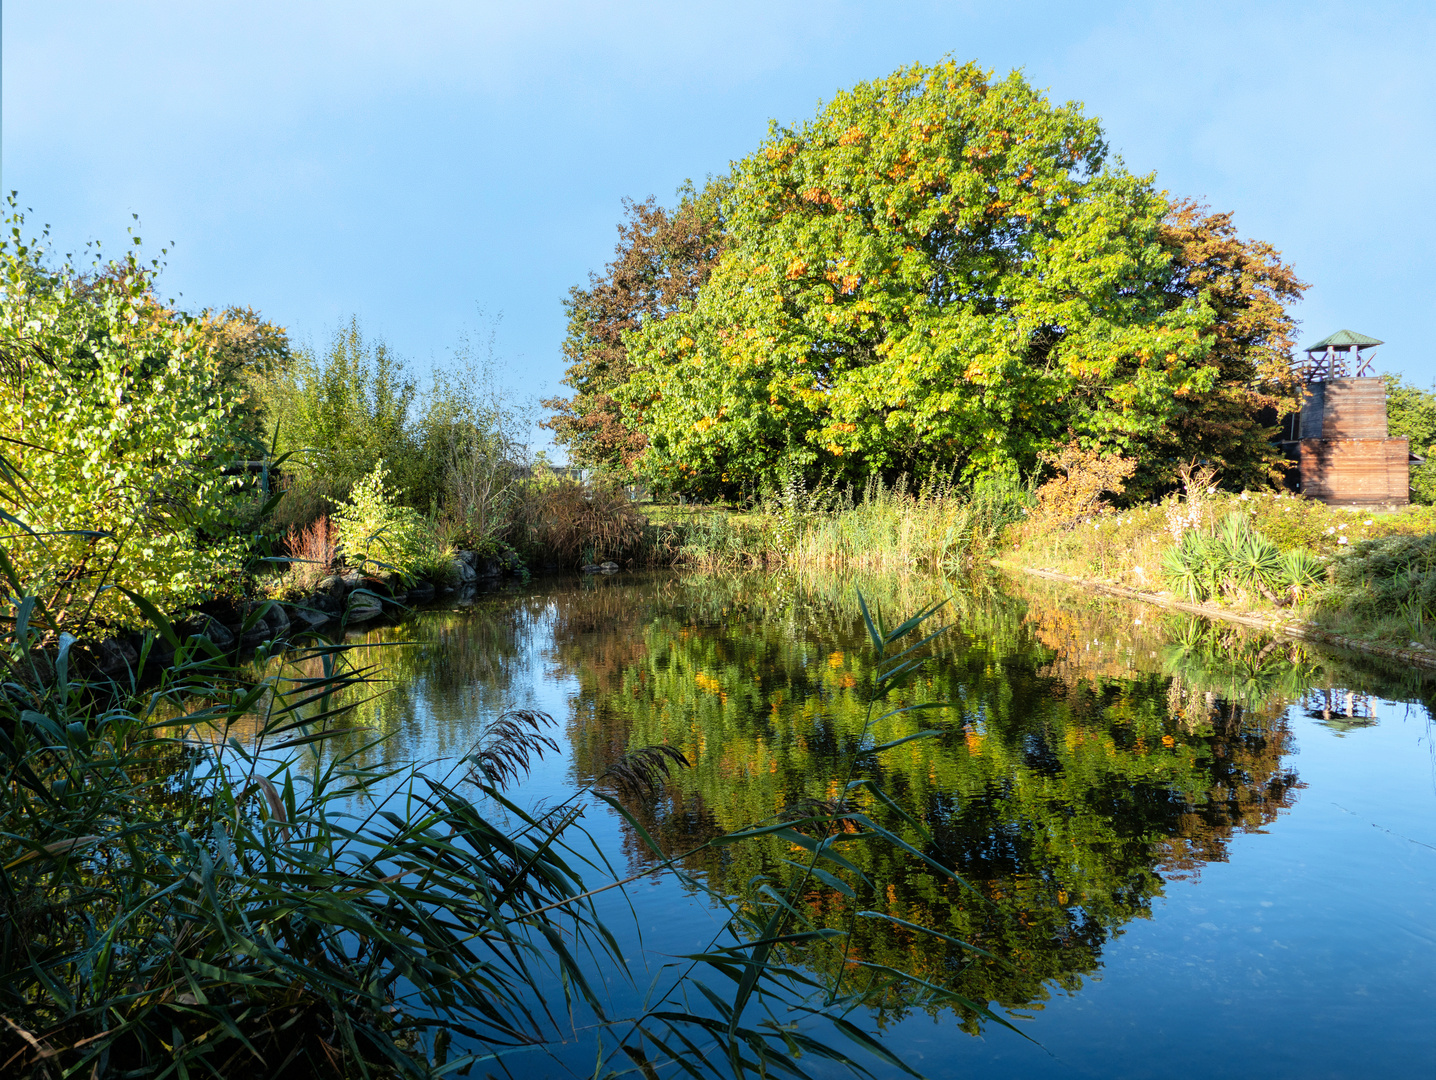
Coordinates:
[881,529]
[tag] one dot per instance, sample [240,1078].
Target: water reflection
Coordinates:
[1092,750]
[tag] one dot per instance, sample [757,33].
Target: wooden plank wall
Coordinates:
[1354,409]
[1356,471]
[1345,455]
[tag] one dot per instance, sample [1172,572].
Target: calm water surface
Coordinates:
[1194,852]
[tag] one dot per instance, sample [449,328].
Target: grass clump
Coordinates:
[1387,584]
[312,553]
[556,518]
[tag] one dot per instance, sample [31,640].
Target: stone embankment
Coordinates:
[339,601]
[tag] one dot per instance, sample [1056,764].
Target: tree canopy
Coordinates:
[1411,411]
[661,259]
[946,272]
[122,420]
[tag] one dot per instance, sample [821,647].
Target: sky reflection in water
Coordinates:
[1193,851]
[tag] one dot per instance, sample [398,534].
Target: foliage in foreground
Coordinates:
[187,889]
[123,420]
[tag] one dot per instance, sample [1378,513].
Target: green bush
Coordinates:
[123,427]
[379,535]
[1234,560]
[1380,575]
[1388,583]
[1411,412]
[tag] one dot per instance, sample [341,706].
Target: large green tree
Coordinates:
[945,271]
[661,259]
[1411,411]
[1229,418]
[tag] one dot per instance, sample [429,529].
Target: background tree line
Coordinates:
[185,455]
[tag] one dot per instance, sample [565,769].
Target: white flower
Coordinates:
[1245,496]
[1341,526]
[1366,522]
[1342,540]
[1329,530]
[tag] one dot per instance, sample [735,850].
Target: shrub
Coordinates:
[1389,582]
[1086,476]
[123,429]
[481,489]
[378,535]
[448,445]
[1234,560]
[305,497]
[343,411]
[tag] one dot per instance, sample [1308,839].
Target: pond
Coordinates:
[1189,850]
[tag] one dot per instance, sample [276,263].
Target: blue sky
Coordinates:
[427,166]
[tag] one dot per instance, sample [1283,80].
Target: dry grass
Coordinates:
[314,549]
[576,523]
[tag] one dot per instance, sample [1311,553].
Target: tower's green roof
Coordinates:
[1344,339]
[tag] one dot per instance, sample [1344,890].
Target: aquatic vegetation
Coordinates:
[187,884]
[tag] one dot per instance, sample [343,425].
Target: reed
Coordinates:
[572,523]
[882,529]
[186,888]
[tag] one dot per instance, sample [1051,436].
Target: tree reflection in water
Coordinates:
[1085,760]
[1092,749]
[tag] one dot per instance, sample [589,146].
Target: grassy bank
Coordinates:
[1361,574]
[1358,573]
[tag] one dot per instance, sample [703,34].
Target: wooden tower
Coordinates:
[1346,457]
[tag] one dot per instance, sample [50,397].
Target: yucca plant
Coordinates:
[1186,568]
[1235,558]
[1302,572]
